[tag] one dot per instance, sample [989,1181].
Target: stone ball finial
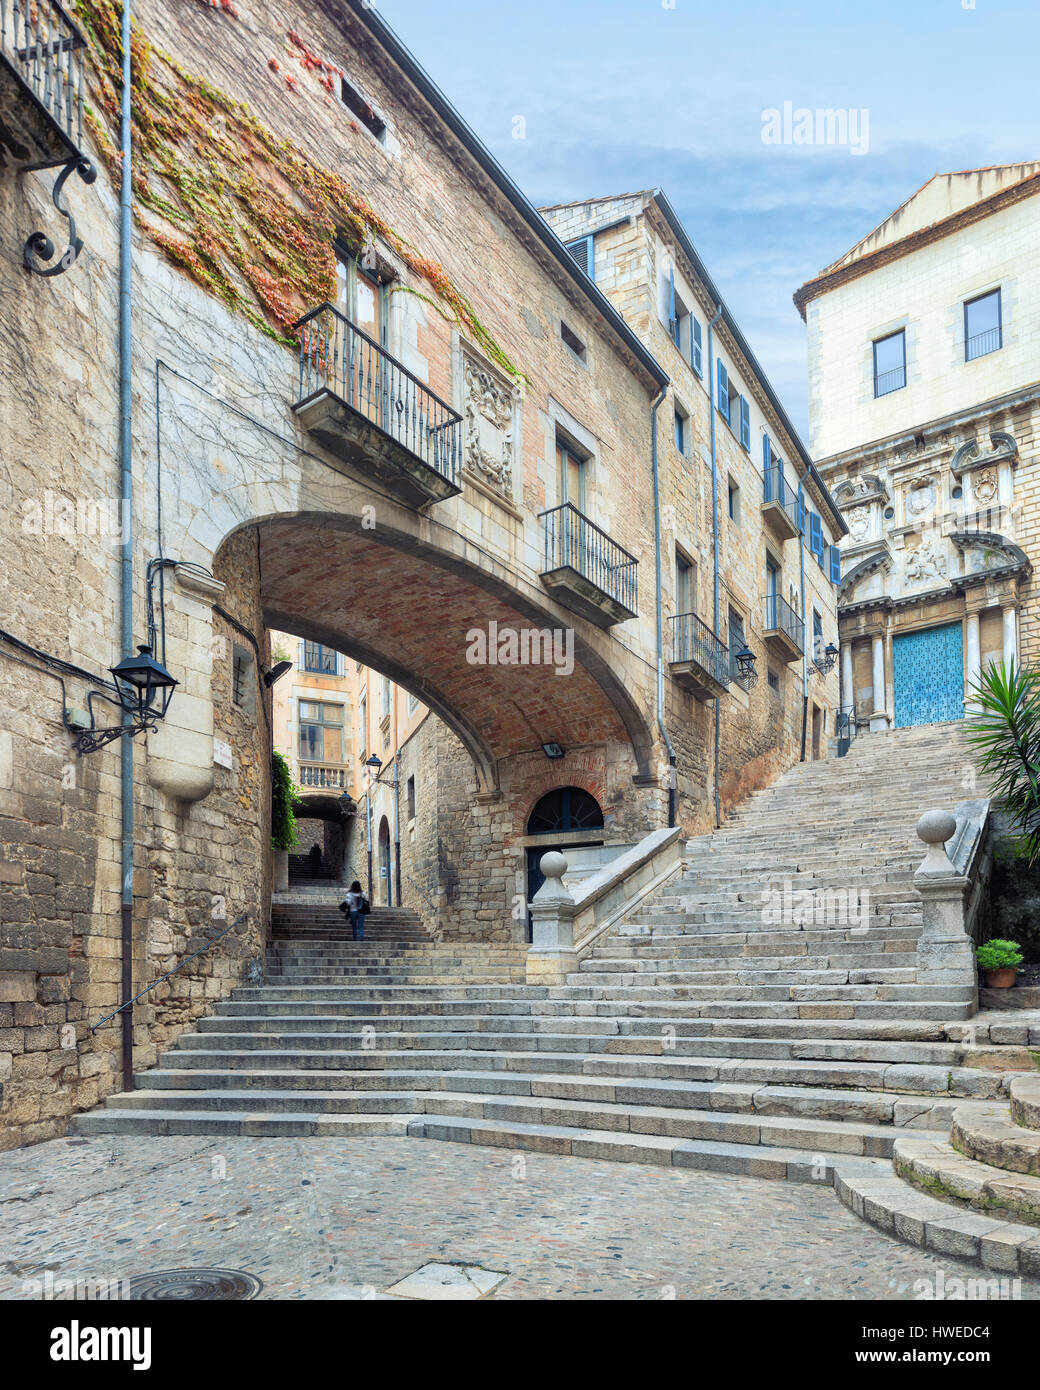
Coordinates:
[553,864]
[936,827]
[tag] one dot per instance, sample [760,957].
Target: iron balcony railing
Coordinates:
[45,48]
[337,356]
[982,343]
[781,617]
[573,541]
[776,488]
[693,640]
[885,382]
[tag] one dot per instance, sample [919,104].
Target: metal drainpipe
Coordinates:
[397,815]
[126,793]
[801,566]
[714,537]
[660,634]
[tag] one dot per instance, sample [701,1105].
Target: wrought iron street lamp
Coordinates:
[826,662]
[145,688]
[745,660]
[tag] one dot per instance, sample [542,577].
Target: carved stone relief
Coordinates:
[490,415]
[925,563]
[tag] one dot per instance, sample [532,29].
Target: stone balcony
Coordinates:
[700,659]
[587,570]
[373,414]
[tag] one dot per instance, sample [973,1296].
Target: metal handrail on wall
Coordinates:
[573,541]
[693,640]
[128,1003]
[45,48]
[339,357]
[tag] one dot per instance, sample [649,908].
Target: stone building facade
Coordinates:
[382,479]
[925,402]
[729,452]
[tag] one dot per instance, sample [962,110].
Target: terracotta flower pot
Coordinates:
[1000,979]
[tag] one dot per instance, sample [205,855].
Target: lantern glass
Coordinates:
[144,685]
[746,661]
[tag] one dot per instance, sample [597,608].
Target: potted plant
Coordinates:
[999,960]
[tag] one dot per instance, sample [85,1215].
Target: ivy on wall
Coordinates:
[245,212]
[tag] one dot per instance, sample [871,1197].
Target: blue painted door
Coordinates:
[928,675]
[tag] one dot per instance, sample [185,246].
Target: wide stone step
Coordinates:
[667,1120]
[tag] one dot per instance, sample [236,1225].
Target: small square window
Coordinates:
[573,341]
[774,679]
[362,110]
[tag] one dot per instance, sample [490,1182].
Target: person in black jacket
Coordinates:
[355,904]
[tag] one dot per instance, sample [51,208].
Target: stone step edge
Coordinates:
[435,1103]
[988,1135]
[936,1166]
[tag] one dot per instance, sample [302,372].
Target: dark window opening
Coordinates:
[573,341]
[566,808]
[356,103]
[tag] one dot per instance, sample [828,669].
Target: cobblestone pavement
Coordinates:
[323,1218]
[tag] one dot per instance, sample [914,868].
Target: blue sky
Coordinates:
[624,94]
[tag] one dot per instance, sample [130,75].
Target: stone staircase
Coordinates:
[723,1027]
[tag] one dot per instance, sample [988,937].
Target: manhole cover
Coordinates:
[194,1285]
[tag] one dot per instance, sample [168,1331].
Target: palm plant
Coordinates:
[1004,730]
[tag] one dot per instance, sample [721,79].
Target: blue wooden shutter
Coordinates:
[584,252]
[745,424]
[696,356]
[723,391]
[816,536]
[801,510]
[835,565]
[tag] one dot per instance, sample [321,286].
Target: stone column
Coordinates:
[974,656]
[848,694]
[945,954]
[879,717]
[551,957]
[1010,636]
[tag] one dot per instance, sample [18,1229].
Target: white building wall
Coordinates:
[924,292]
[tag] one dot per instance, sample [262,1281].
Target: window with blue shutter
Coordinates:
[723,392]
[835,565]
[696,354]
[584,252]
[745,424]
[801,511]
[816,536]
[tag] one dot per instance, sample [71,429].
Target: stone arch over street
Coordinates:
[403,603]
